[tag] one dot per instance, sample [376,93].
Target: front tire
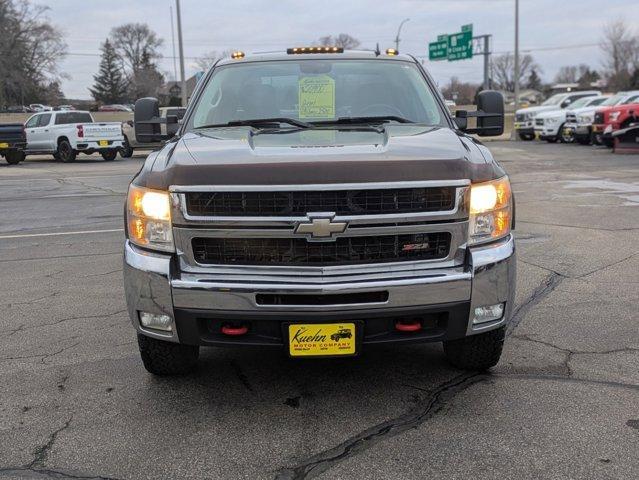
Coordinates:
[167,358]
[14,157]
[65,152]
[126,151]
[526,137]
[109,155]
[565,137]
[476,352]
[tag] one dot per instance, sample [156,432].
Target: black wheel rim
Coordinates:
[64,151]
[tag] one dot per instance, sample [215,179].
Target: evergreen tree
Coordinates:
[110,85]
[534,82]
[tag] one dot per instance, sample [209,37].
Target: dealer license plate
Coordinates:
[103,143]
[321,339]
[4,145]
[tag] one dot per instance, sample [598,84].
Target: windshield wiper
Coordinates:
[356,120]
[260,122]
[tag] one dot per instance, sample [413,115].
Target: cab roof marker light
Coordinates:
[237,55]
[392,51]
[324,49]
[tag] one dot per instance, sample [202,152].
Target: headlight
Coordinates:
[585,119]
[490,211]
[614,116]
[149,218]
[551,121]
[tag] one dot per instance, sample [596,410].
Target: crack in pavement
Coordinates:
[569,353]
[42,357]
[62,320]
[422,412]
[550,283]
[41,453]
[46,473]
[559,378]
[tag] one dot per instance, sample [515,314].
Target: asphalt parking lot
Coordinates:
[76,401]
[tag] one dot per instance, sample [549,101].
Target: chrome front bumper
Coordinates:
[153,284]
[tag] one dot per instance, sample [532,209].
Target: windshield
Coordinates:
[316,91]
[582,102]
[614,100]
[555,99]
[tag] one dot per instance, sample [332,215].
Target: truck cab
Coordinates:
[314,191]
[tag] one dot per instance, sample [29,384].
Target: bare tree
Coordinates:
[567,74]
[134,40]
[30,51]
[503,69]
[138,47]
[210,58]
[621,54]
[343,40]
[462,92]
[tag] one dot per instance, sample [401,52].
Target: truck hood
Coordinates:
[244,156]
[552,114]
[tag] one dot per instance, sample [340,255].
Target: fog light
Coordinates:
[488,313]
[156,321]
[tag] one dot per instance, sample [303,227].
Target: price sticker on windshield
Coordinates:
[317,97]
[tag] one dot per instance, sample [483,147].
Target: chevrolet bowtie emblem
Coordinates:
[320,227]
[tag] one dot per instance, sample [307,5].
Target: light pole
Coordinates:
[516,54]
[185,96]
[398,31]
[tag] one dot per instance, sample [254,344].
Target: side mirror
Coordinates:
[148,121]
[565,103]
[489,114]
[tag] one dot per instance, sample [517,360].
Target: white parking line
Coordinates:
[59,234]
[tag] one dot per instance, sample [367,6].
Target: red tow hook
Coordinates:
[412,326]
[234,331]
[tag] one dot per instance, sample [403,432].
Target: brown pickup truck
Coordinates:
[319,201]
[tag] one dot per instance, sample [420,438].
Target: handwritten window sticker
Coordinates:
[317,97]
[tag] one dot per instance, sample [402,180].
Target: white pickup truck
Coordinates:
[65,134]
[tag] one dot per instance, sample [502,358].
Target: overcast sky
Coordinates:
[556,33]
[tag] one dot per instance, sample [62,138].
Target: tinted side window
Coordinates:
[44,120]
[634,99]
[61,118]
[73,117]
[32,122]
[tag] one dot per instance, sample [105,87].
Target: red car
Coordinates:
[114,108]
[609,119]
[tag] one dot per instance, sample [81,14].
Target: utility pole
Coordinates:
[487,62]
[481,46]
[173,43]
[516,54]
[181,48]
[398,31]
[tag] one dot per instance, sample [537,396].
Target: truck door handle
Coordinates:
[47,130]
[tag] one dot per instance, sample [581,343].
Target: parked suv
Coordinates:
[525,117]
[316,190]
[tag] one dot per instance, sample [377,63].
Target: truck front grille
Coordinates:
[599,118]
[299,203]
[520,117]
[299,251]
[571,118]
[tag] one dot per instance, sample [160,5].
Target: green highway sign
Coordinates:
[460,46]
[438,50]
[456,46]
